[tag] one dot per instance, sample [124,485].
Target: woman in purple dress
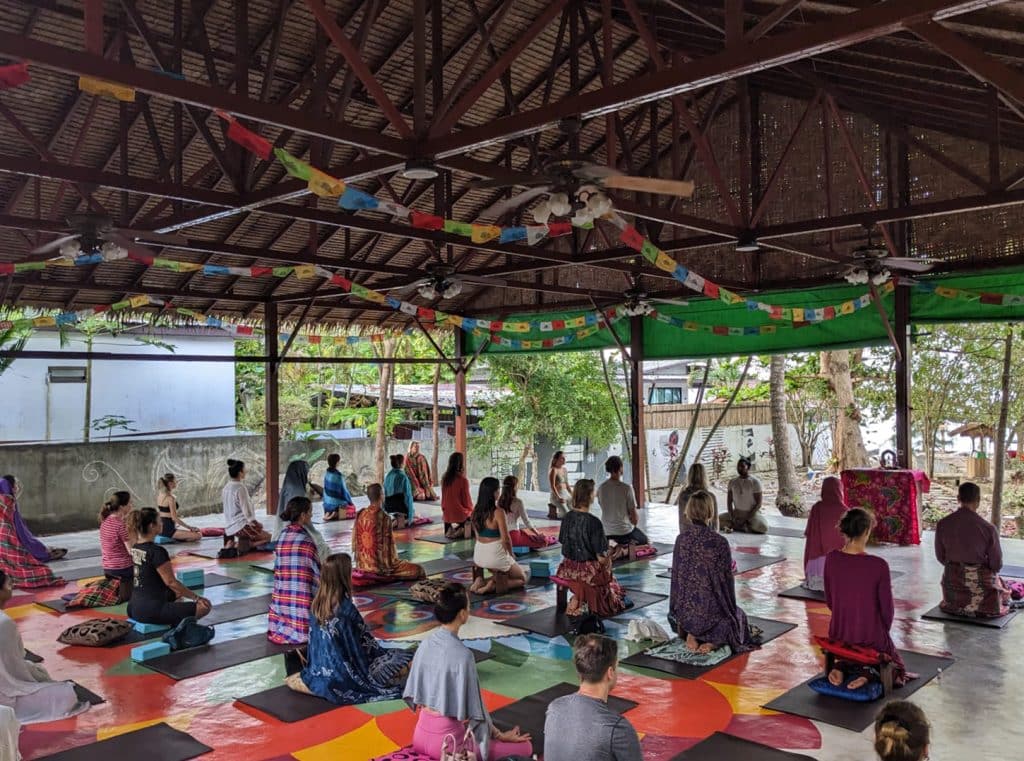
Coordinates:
[702,605]
[858,591]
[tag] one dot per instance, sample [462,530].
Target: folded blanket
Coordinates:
[676,650]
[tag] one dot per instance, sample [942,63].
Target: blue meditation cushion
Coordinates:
[164,540]
[149,651]
[869,693]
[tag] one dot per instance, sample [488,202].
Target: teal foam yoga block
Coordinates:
[164,540]
[542,569]
[150,650]
[191,579]
[142,628]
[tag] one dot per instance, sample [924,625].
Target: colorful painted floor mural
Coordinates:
[974,706]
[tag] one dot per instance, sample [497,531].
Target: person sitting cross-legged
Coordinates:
[581,726]
[618,506]
[373,542]
[968,547]
[743,503]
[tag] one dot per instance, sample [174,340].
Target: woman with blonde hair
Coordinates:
[586,563]
[346,665]
[171,525]
[902,732]
[702,602]
[696,480]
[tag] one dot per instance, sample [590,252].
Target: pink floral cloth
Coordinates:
[892,496]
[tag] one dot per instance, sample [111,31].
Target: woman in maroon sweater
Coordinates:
[858,590]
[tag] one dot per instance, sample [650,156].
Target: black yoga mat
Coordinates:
[264,567]
[721,746]
[88,696]
[782,531]
[438,539]
[216,580]
[77,574]
[212,553]
[159,742]
[237,609]
[750,561]
[848,714]
[32,657]
[800,592]
[772,629]
[79,554]
[445,565]
[937,614]
[529,713]
[185,664]
[549,622]
[1013,571]
[540,515]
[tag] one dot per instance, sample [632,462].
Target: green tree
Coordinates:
[557,396]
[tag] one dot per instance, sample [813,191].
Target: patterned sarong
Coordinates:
[594,588]
[973,591]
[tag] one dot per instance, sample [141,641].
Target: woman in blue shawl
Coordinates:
[347,666]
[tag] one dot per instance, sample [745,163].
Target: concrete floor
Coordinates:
[973,706]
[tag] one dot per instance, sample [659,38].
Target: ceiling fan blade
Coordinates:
[497,282]
[502,207]
[148,235]
[681,188]
[910,265]
[677,302]
[526,179]
[53,245]
[596,172]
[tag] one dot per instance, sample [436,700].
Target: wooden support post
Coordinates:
[637,445]
[904,453]
[272,434]
[461,419]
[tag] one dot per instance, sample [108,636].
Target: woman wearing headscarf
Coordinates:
[25,687]
[296,484]
[418,470]
[822,532]
[17,562]
[37,549]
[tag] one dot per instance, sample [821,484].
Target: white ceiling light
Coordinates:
[419,169]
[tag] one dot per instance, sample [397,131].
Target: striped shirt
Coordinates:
[113,537]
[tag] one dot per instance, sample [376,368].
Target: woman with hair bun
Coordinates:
[296,575]
[115,546]
[158,597]
[241,529]
[171,525]
[858,590]
[902,732]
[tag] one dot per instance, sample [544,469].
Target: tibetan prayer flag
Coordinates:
[117,307]
[767,328]
[512,234]
[735,331]
[341,282]
[992,298]
[29,266]
[423,221]
[139,301]
[282,271]
[650,252]
[14,75]
[1012,300]
[6,268]
[458,228]
[243,330]
[710,289]
[558,324]
[535,234]
[353,199]
[517,327]
[261,271]
[829,313]
[392,208]
[305,271]
[751,330]
[798,314]
[188,266]
[323,185]
[681,273]
[665,263]
[360,291]
[141,258]
[484,233]
[375,296]
[720,330]
[426,313]
[45,322]
[295,167]
[95,86]
[215,269]
[694,282]
[555,229]
[406,308]
[632,238]
[752,306]
[248,139]
[847,307]
[67,318]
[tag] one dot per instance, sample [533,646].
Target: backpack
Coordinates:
[588,623]
[187,634]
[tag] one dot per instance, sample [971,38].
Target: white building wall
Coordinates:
[156,396]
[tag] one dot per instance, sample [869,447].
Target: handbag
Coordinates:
[455,754]
[427,590]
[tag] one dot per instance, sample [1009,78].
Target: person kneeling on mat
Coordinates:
[581,726]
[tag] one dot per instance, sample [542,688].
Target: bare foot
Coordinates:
[476,586]
[706,648]
[857,683]
[692,644]
[835,677]
[488,588]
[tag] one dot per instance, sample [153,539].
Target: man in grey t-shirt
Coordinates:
[744,503]
[581,727]
[618,506]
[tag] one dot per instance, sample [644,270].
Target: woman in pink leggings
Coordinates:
[444,687]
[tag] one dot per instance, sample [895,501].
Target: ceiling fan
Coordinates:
[638,303]
[873,265]
[95,232]
[443,282]
[574,185]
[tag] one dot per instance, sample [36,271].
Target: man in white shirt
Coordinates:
[618,506]
[744,503]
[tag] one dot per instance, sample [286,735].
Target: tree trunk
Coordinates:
[788,498]
[88,392]
[383,407]
[435,419]
[848,442]
[930,435]
[1000,454]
